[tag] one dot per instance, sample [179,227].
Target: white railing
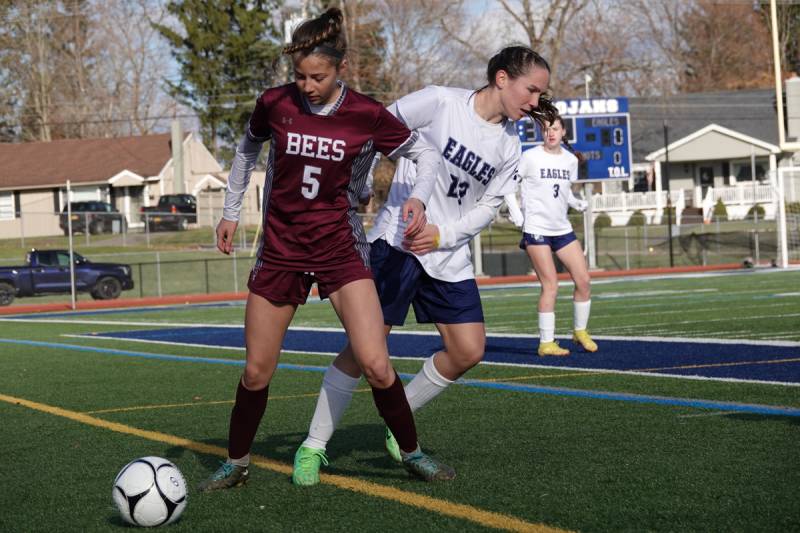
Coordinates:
[628,201]
[743,194]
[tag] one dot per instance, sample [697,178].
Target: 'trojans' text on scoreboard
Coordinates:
[597,128]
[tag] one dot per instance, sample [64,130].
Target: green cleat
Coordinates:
[306,466]
[426,467]
[392,447]
[227,476]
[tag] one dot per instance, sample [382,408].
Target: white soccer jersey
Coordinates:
[479,167]
[546,184]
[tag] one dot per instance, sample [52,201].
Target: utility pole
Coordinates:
[669,196]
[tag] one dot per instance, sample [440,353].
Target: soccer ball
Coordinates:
[150,491]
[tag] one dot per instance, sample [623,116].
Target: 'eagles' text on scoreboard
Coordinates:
[599,128]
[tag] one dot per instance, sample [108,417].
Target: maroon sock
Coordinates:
[393,407]
[245,417]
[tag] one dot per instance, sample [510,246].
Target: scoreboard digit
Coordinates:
[599,129]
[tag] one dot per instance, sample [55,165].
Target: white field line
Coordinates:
[654,277]
[704,321]
[607,316]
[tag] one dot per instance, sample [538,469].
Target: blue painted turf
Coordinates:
[768,410]
[740,361]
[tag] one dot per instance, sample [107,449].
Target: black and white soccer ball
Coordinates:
[150,491]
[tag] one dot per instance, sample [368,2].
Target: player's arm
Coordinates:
[575,202]
[394,139]
[460,232]
[367,192]
[578,204]
[415,111]
[244,161]
[514,211]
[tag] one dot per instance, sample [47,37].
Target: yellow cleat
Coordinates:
[551,348]
[581,336]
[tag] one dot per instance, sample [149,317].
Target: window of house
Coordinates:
[6,206]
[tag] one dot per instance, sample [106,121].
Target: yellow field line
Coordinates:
[444,507]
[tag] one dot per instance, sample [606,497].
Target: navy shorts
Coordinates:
[555,243]
[401,281]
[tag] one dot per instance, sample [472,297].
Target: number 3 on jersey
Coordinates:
[310,186]
[555,190]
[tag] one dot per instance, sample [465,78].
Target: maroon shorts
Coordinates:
[292,287]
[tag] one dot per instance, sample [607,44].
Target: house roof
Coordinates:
[749,112]
[711,143]
[51,164]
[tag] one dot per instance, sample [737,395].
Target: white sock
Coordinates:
[547,326]
[334,397]
[426,385]
[581,314]
[241,461]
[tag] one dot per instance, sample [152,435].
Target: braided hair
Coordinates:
[517,61]
[321,35]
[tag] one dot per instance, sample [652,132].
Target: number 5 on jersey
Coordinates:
[310,186]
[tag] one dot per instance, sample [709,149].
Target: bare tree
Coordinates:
[543,25]
[131,67]
[417,51]
[28,58]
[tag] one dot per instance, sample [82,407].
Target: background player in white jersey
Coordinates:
[476,136]
[547,174]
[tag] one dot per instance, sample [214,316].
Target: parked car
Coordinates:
[97,217]
[174,211]
[47,271]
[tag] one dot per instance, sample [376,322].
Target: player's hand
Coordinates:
[579,205]
[415,210]
[225,231]
[425,241]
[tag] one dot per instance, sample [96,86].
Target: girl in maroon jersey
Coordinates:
[323,138]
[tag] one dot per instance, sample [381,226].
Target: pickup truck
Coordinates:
[94,217]
[47,271]
[174,211]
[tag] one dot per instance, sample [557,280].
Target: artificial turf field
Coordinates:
[603,442]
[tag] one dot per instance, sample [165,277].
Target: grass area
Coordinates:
[575,463]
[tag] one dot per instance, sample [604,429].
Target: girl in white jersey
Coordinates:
[547,174]
[476,136]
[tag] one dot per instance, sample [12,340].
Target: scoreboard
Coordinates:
[599,128]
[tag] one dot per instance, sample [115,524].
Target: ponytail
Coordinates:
[569,147]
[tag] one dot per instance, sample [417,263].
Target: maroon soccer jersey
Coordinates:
[318,165]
